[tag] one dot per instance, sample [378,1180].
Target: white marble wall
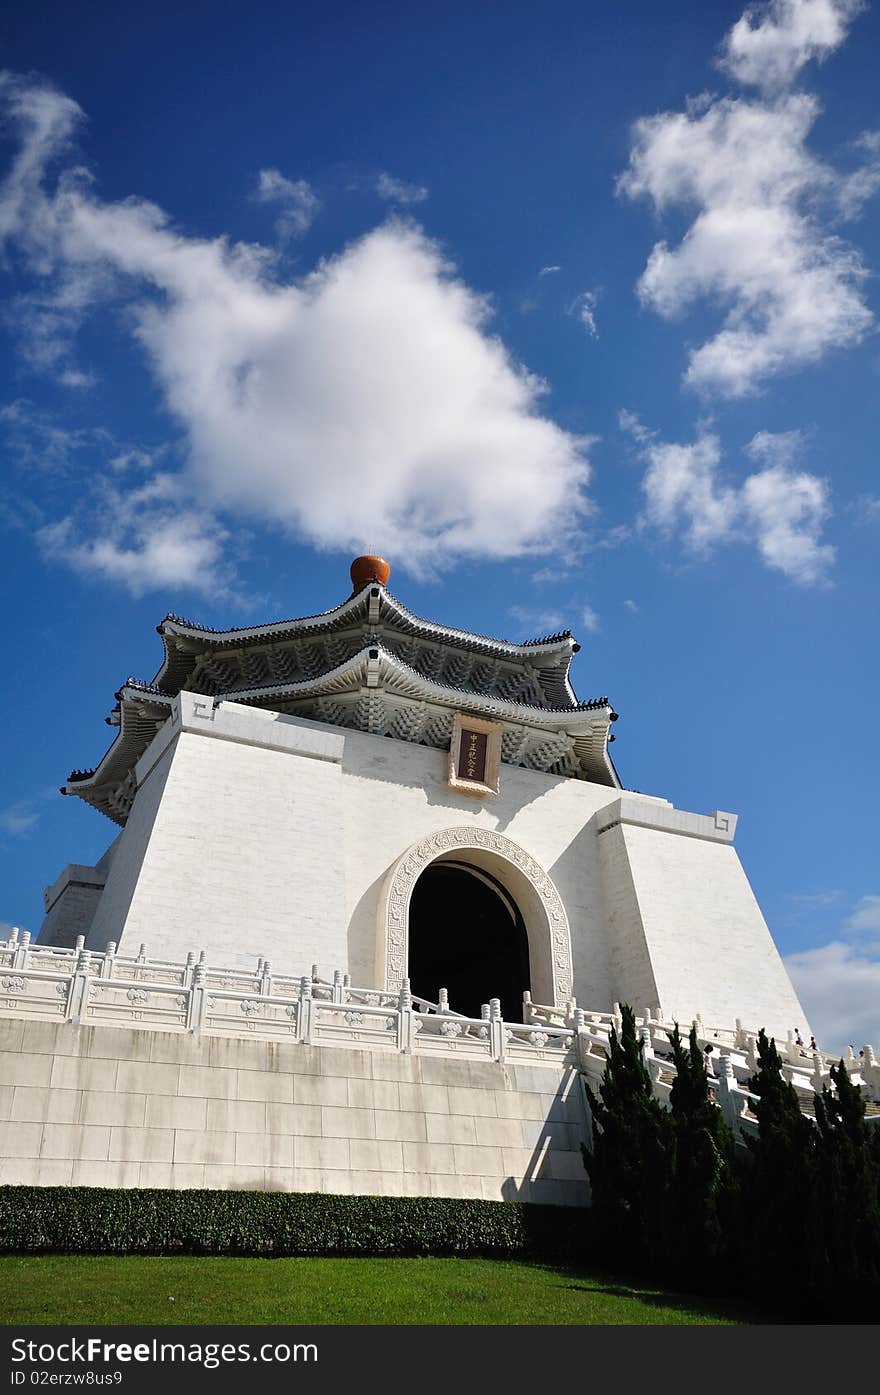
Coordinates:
[257,833]
[108,1106]
[688,934]
[276,837]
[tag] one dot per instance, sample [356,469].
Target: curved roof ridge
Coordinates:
[235,694]
[354,661]
[557,640]
[266,625]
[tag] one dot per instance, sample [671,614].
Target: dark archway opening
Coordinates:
[467,935]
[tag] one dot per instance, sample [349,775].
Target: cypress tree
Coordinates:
[629,1163]
[849,1194]
[702,1169]
[784,1244]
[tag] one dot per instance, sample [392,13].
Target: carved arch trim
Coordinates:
[546,918]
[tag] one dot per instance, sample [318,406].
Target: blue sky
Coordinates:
[570,311]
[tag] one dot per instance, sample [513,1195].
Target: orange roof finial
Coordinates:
[369,568]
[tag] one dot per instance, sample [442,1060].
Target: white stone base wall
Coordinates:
[125,1107]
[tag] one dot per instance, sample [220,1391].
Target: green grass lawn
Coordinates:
[75,1289]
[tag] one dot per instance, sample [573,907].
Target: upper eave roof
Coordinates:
[373,605]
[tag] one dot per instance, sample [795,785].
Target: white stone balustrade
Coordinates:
[74,985]
[107,988]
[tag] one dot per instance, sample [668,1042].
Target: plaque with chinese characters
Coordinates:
[474,755]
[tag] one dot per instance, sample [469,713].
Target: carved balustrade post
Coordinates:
[338,991]
[22,950]
[443,1000]
[728,1101]
[617,1018]
[266,979]
[198,997]
[496,1030]
[77,998]
[406,1020]
[108,962]
[582,1046]
[305,1011]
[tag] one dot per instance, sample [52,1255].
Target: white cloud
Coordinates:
[583,308]
[839,983]
[631,606]
[50,119]
[549,270]
[537,622]
[37,441]
[546,575]
[135,459]
[814,900]
[630,423]
[780,510]
[758,248]
[147,539]
[839,986]
[786,511]
[368,399]
[865,919]
[590,619]
[399,191]
[770,43]
[148,536]
[17,820]
[681,486]
[298,202]
[77,378]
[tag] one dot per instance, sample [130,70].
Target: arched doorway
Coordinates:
[513,869]
[466,934]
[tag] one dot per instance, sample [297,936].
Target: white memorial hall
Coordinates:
[374,896]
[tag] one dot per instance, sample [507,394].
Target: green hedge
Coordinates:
[103,1220]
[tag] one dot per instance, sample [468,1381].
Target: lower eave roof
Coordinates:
[141,704]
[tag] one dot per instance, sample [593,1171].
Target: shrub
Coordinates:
[103,1220]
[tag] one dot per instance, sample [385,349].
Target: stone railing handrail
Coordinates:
[195,996]
[88,989]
